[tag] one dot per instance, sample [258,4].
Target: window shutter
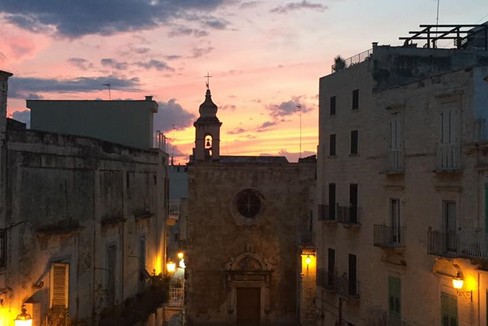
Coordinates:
[394,294]
[59,285]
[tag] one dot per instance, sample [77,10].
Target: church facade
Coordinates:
[248,218]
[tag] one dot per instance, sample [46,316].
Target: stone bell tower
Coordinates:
[207,131]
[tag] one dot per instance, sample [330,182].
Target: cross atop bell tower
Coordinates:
[207,130]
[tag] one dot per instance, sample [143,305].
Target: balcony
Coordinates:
[327,213]
[388,237]
[443,244]
[394,163]
[464,244]
[347,215]
[326,280]
[347,287]
[448,158]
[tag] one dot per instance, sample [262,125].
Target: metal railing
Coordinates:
[386,236]
[354,60]
[448,157]
[347,287]
[348,214]
[444,244]
[326,212]
[327,280]
[469,244]
[395,162]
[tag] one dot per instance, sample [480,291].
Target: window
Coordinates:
[142,263]
[395,144]
[394,300]
[449,147]
[395,222]
[332,105]
[449,316]
[3,248]
[59,285]
[332,145]
[352,282]
[353,201]
[355,99]
[111,276]
[330,267]
[354,142]
[486,207]
[332,201]
[449,224]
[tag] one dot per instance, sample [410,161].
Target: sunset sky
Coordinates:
[265,58]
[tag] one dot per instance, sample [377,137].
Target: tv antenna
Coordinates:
[109,93]
[299,107]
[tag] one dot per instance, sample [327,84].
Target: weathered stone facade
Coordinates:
[247,217]
[83,231]
[420,178]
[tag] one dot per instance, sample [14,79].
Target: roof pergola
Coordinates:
[459,33]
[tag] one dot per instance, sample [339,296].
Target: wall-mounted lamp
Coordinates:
[170,267]
[23,319]
[308,260]
[180,255]
[457,283]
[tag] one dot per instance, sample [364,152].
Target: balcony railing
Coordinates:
[444,244]
[354,60]
[448,158]
[347,214]
[386,236]
[395,162]
[327,280]
[468,244]
[347,287]
[327,212]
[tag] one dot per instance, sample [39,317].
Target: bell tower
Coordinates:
[207,131]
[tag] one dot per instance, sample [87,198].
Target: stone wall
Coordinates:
[218,237]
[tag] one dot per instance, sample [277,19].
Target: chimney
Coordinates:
[149,98]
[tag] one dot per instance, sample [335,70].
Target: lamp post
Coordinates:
[23,319]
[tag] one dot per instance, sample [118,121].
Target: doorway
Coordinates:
[248,306]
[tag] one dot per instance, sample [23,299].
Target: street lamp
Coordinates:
[170,267]
[23,319]
[457,283]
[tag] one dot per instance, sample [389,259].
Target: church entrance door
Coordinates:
[248,306]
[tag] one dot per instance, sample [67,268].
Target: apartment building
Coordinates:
[81,227]
[403,183]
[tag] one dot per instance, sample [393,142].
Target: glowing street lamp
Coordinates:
[170,267]
[23,319]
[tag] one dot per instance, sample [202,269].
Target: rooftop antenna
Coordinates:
[299,107]
[109,94]
[173,149]
[437,17]
[208,80]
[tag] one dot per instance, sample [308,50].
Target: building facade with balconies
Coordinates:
[403,188]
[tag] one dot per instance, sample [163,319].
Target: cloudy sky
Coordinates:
[265,58]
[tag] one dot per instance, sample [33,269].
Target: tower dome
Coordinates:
[208,108]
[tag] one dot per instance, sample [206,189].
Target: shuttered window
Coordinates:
[59,285]
[449,147]
[395,145]
[3,248]
[394,300]
[449,315]
[111,270]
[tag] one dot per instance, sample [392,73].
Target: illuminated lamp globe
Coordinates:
[457,282]
[23,319]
